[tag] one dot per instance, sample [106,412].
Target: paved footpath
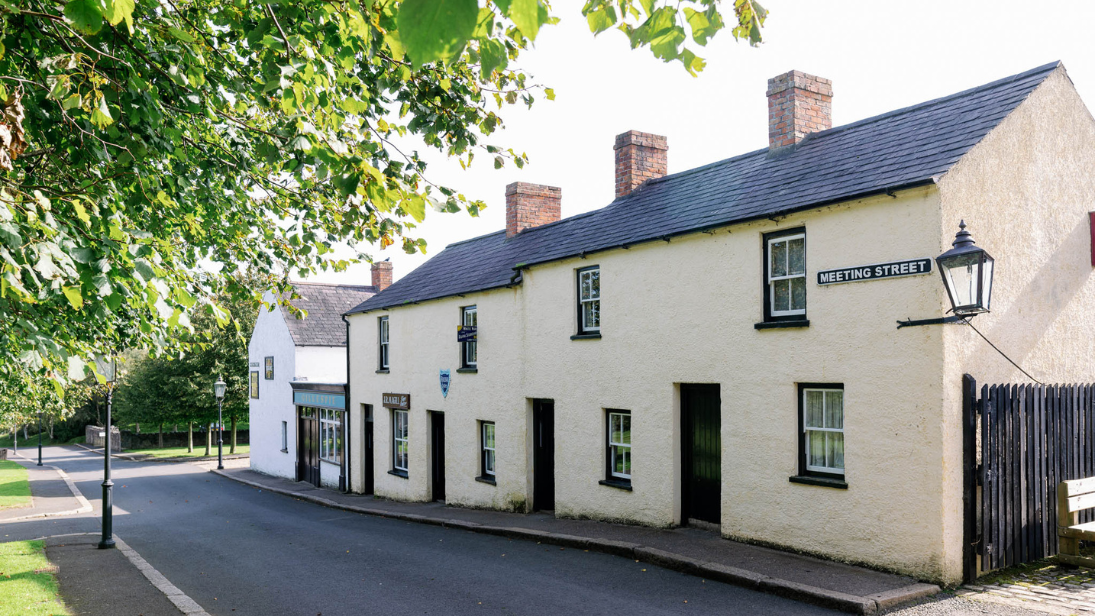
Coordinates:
[1050,589]
[52,492]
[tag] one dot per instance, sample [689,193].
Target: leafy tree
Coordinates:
[143,145]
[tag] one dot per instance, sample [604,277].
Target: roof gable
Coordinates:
[324,304]
[899,149]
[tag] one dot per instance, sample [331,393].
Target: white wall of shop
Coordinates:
[275,402]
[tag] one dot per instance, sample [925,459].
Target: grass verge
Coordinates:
[180,452]
[28,586]
[14,487]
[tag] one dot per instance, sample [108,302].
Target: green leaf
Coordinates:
[416,207]
[85,15]
[81,213]
[118,10]
[74,297]
[492,55]
[601,19]
[101,116]
[179,34]
[526,16]
[433,30]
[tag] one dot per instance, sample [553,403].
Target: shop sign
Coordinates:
[401,402]
[466,333]
[893,269]
[446,378]
[319,399]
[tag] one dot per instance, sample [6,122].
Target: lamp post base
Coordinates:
[107,541]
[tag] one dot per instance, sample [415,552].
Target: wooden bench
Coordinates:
[1073,497]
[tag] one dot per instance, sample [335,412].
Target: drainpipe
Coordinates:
[345,479]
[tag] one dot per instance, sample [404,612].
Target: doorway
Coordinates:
[437,454]
[367,444]
[543,460]
[307,445]
[701,454]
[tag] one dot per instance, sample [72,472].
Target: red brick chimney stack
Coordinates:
[531,205]
[639,157]
[798,104]
[382,275]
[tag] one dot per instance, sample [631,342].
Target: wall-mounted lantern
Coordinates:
[967,274]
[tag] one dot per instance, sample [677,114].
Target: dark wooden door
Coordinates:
[543,461]
[437,454]
[308,446]
[367,441]
[701,453]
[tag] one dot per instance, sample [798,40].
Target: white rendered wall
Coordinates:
[275,402]
[321,364]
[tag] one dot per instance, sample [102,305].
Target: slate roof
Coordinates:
[899,149]
[325,305]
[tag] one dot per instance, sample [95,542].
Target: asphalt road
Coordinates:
[238,550]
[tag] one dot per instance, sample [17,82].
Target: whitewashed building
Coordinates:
[298,376]
[688,354]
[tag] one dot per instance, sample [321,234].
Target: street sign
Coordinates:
[893,269]
[467,333]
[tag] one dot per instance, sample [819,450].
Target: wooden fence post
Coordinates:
[969,478]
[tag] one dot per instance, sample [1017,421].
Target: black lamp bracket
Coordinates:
[939,321]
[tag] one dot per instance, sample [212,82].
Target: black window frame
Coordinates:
[383,347]
[610,478]
[766,292]
[582,330]
[483,474]
[464,363]
[803,472]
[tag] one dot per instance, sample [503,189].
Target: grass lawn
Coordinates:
[14,488]
[27,584]
[180,452]
[24,445]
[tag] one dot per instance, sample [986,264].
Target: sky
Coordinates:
[880,55]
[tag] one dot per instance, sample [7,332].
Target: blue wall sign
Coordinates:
[467,333]
[320,399]
[446,378]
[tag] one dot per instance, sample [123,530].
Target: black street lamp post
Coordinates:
[218,391]
[108,368]
[39,438]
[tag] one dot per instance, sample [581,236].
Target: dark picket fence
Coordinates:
[1032,437]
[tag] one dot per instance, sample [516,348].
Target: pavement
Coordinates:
[228,548]
[52,492]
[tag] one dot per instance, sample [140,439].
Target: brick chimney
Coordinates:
[639,157]
[531,205]
[382,275]
[798,104]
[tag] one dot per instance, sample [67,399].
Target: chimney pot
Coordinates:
[798,104]
[382,275]
[639,157]
[531,205]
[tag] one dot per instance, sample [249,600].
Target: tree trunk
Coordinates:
[189,437]
[233,435]
[208,438]
[138,427]
[25,436]
[15,437]
[51,428]
[160,444]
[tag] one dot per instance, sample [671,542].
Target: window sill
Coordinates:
[468,370]
[825,482]
[402,474]
[782,324]
[382,371]
[488,479]
[594,336]
[619,484]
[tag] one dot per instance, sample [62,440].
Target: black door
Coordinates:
[543,460]
[367,442]
[701,453]
[308,446]
[437,453]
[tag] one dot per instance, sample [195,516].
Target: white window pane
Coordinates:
[836,445]
[595,283]
[625,429]
[798,293]
[815,452]
[781,295]
[585,286]
[796,256]
[778,257]
[814,408]
[834,409]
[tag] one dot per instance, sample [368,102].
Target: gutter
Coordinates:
[344,480]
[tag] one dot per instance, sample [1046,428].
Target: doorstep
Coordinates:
[702,553]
